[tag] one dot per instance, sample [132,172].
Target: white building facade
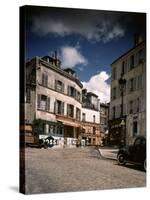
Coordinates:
[91,118]
[131,67]
[53,100]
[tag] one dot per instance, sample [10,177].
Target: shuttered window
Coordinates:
[59,86]
[43,102]
[39,101]
[44,79]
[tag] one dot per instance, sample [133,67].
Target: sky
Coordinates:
[87,41]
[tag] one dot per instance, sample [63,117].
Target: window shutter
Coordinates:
[56,107]
[42,78]
[55,84]
[68,90]
[38,101]
[46,80]
[62,108]
[134,83]
[62,87]
[48,104]
[134,106]
[125,66]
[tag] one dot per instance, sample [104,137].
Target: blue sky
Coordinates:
[86,40]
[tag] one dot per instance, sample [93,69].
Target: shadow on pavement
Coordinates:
[132,166]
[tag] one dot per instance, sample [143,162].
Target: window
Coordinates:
[78,96]
[131,84]
[123,68]
[59,107]
[52,130]
[94,130]
[140,56]
[138,105]
[78,113]
[132,62]
[59,86]
[139,82]
[70,110]
[28,95]
[83,117]
[43,102]
[130,107]
[44,79]
[94,118]
[71,91]
[114,73]
[94,141]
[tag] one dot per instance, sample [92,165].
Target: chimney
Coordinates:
[137,39]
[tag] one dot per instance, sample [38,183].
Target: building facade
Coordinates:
[57,106]
[127,117]
[53,100]
[104,117]
[90,118]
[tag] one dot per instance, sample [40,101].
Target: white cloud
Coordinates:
[98,85]
[90,26]
[71,56]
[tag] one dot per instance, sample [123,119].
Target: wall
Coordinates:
[89,115]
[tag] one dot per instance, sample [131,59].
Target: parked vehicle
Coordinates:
[135,154]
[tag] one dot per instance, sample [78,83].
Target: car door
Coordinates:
[136,150]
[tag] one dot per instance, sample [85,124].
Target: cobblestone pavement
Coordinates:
[78,169]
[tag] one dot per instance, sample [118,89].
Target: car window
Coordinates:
[137,142]
[143,142]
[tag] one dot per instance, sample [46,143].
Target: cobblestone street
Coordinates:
[76,169]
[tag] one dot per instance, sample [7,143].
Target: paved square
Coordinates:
[77,169]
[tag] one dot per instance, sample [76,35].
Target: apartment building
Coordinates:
[127,114]
[104,117]
[53,100]
[90,118]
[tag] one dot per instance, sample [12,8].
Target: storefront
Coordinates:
[117,131]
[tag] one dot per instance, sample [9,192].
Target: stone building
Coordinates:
[53,100]
[127,118]
[90,118]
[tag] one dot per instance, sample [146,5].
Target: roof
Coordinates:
[91,94]
[127,52]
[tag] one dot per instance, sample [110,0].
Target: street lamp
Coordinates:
[122,83]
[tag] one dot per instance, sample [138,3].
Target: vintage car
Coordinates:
[135,154]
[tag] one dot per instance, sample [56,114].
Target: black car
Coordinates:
[135,154]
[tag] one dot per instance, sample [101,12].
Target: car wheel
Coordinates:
[144,165]
[121,159]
